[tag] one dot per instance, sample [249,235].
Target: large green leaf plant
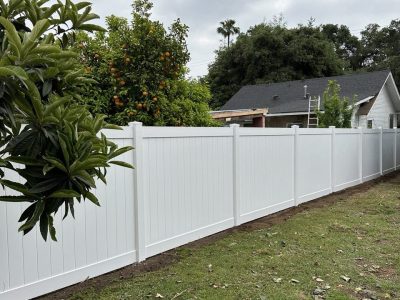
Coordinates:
[52,142]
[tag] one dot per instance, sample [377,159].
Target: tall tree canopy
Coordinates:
[140,71]
[271,53]
[228,29]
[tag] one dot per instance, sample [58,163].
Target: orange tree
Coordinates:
[140,72]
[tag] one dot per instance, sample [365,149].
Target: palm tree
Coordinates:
[227,29]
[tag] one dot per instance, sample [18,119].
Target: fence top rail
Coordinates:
[347,131]
[170,132]
[371,131]
[252,131]
[164,132]
[392,130]
[125,133]
[314,131]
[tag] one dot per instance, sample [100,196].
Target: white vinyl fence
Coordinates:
[188,183]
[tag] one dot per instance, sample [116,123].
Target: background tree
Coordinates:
[140,68]
[46,137]
[337,110]
[347,46]
[228,29]
[271,53]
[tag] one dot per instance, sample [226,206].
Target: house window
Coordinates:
[369,124]
[391,120]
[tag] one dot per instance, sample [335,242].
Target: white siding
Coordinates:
[382,108]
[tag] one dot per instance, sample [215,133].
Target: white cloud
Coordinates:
[203,17]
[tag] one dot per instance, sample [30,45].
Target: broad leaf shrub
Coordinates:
[50,140]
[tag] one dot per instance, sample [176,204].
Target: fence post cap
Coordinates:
[295,126]
[134,124]
[234,125]
[332,126]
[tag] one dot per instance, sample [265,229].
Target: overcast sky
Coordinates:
[203,17]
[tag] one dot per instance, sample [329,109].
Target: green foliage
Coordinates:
[271,53]
[337,111]
[347,46]
[140,69]
[46,137]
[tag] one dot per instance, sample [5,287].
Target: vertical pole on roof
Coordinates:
[333,138]
[381,150]
[295,163]
[236,174]
[139,201]
[360,154]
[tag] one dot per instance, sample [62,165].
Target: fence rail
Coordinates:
[188,183]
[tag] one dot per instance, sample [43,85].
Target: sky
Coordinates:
[203,17]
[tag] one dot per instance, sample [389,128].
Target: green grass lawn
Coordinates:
[357,237]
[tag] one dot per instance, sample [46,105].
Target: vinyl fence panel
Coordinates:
[266,160]
[188,183]
[371,154]
[346,158]
[314,163]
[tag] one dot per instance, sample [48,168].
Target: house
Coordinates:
[377,102]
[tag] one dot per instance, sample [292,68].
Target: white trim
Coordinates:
[287,114]
[364,100]
[314,195]
[345,185]
[182,239]
[265,211]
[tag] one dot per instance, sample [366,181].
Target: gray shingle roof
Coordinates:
[291,93]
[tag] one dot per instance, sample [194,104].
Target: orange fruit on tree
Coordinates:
[167,54]
[122,83]
[145,93]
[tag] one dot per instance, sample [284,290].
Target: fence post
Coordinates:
[395,148]
[360,154]
[236,174]
[295,164]
[333,138]
[139,201]
[381,150]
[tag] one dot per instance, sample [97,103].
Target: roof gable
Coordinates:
[288,97]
